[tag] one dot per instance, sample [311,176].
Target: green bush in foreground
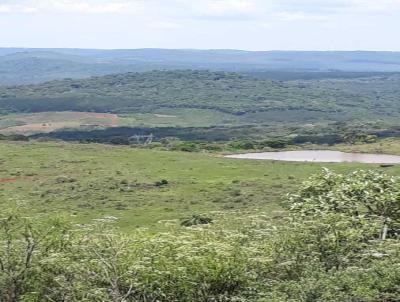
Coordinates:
[329,255]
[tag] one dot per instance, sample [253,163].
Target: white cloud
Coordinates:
[182,7]
[224,7]
[87,7]
[163,25]
[374,4]
[69,6]
[300,16]
[17,8]
[377,5]
[329,7]
[5,8]
[201,8]
[284,24]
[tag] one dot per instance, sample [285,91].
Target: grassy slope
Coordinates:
[381,146]
[119,181]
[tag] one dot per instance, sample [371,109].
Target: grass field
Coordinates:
[93,181]
[179,117]
[384,146]
[381,146]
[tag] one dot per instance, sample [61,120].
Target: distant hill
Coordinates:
[25,66]
[234,94]
[40,66]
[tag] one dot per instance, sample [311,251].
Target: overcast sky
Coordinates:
[204,24]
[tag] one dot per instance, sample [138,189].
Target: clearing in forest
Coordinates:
[28,124]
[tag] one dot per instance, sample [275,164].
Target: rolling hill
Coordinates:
[230,93]
[27,66]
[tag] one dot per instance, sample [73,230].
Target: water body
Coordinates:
[321,156]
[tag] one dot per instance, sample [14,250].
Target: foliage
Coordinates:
[358,194]
[199,105]
[326,259]
[231,93]
[162,182]
[13,137]
[196,220]
[330,257]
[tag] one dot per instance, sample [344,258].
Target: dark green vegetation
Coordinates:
[338,242]
[230,139]
[251,99]
[217,106]
[24,66]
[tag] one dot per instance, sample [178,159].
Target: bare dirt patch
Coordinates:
[51,121]
[7,180]
[14,179]
[35,128]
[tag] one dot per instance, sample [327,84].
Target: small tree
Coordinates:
[108,265]
[25,248]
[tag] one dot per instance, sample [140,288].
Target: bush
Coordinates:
[196,220]
[161,183]
[64,179]
[360,194]
[242,145]
[322,250]
[275,144]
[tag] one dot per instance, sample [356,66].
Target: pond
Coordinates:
[321,156]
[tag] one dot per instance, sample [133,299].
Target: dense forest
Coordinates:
[195,105]
[235,94]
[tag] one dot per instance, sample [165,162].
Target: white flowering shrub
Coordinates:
[360,194]
[331,253]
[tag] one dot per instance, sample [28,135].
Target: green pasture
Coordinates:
[94,181]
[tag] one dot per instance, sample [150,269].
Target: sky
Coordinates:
[202,24]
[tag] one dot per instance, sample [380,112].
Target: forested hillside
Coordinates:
[196,105]
[144,92]
[230,93]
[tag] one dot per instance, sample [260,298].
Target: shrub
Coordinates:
[322,250]
[196,220]
[360,194]
[162,182]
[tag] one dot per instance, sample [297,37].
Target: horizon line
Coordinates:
[192,49]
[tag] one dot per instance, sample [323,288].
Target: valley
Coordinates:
[199,176]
